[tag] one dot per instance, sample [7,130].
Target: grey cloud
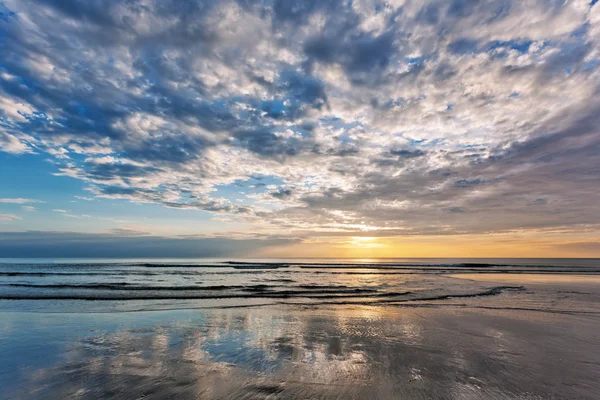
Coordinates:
[304,88]
[359,54]
[281,194]
[107,171]
[443,72]
[297,12]
[178,149]
[430,14]
[462,8]
[463,183]
[463,46]
[118,190]
[455,209]
[266,143]
[403,153]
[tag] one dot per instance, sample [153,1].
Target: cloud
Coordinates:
[281,194]
[387,118]
[540,202]
[84,198]
[28,208]
[468,182]
[128,232]
[11,144]
[19,200]
[456,209]
[9,217]
[407,153]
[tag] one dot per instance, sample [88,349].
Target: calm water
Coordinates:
[253,329]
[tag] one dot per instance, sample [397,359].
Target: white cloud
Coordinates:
[9,217]
[10,144]
[84,198]
[18,200]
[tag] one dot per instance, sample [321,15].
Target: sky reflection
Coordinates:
[342,352]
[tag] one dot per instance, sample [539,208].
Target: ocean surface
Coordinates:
[300,328]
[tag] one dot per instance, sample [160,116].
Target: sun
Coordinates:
[365,242]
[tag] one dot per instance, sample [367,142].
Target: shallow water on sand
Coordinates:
[300,331]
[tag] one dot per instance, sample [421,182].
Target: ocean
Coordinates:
[300,328]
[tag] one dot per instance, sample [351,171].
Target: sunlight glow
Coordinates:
[365,242]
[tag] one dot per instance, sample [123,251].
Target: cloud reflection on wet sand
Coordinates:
[334,353]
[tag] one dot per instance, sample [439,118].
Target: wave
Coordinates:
[496,290]
[129,286]
[274,295]
[315,272]
[440,271]
[242,263]
[54,274]
[135,273]
[122,286]
[358,293]
[224,265]
[229,264]
[300,264]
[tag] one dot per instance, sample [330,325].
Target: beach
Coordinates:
[299,200]
[304,330]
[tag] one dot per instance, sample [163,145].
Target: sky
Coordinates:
[152,128]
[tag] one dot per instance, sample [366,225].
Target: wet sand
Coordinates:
[569,279]
[338,352]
